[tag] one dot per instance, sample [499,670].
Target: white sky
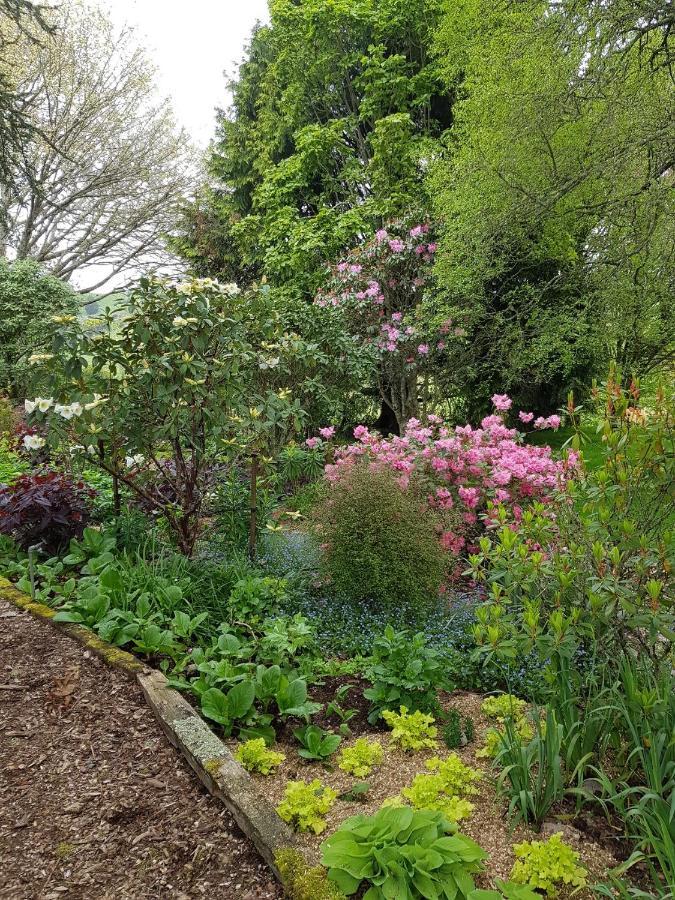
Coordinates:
[192,42]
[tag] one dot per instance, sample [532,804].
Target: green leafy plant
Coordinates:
[446,789]
[403,853]
[316,743]
[547,865]
[335,708]
[531,771]
[226,709]
[255,597]
[305,804]
[255,756]
[411,731]
[502,705]
[361,758]
[404,672]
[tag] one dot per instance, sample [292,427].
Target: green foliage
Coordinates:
[402,853]
[305,804]
[605,580]
[503,706]
[411,731]
[445,789]
[316,743]
[361,758]
[334,111]
[28,299]
[547,865]
[555,217]
[382,548]
[531,771]
[404,672]
[507,890]
[255,597]
[256,757]
[11,464]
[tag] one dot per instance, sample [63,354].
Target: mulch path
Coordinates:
[94,802]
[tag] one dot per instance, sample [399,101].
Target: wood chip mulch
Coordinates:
[94,802]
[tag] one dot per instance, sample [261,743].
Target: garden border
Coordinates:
[207,755]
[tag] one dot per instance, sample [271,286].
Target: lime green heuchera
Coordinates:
[256,757]
[502,705]
[411,731]
[305,804]
[361,758]
[546,865]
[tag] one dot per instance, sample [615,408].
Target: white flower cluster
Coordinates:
[33,442]
[133,461]
[66,411]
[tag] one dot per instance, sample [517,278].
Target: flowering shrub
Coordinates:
[456,471]
[48,508]
[190,376]
[377,288]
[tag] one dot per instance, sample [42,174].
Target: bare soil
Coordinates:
[94,802]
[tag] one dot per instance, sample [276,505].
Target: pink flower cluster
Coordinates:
[459,469]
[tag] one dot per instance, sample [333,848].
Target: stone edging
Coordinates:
[120,659]
[210,759]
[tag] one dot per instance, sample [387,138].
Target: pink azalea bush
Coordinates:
[460,470]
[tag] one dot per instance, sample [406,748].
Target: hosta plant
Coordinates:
[305,805]
[404,854]
[411,731]
[547,865]
[361,758]
[256,757]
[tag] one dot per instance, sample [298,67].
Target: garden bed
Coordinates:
[487,825]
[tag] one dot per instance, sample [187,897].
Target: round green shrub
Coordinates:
[380,543]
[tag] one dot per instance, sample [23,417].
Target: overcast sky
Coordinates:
[192,42]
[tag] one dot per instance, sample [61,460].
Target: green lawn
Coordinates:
[592,448]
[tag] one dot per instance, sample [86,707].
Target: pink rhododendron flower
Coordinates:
[416,231]
[501,402]
[423,349]
[327,433]
[381,235]
[396,245]
[525,416]
[312,443]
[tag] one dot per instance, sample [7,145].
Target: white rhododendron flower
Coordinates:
[65,411]
[43,403]
[77,409]
[137,460]
[179,321]
[91,450]
[29,405]
[33,442]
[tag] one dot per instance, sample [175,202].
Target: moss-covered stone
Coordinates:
[302,881]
